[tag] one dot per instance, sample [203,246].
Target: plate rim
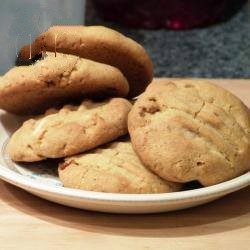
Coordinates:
[28,184]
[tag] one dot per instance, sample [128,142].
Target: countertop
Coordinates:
[29,223]
[218,51]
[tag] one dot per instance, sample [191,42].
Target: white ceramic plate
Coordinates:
[41,180]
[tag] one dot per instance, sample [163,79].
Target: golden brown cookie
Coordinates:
[113,169]
[55,80]
[186,130]
[99,44]
[70,130]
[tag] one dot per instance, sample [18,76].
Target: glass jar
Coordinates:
[173,14]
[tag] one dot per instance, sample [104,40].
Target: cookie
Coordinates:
[113,169]
[26,90]
[185,130]
[70,130]
[99,44]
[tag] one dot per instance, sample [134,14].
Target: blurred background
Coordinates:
[185,38]
[217,47]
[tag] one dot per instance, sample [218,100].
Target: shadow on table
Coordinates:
[228,213]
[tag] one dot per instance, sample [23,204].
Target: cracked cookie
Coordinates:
[70,130]
[186,130]
[33,89]
[114,168]
[99,44]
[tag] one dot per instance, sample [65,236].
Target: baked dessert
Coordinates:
[70,130]
[99,44]
[26,90]
[186,130]
[114,168]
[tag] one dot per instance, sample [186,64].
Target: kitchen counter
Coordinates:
[218,51]
[29,223]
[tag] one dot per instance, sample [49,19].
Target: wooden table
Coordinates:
[28,222]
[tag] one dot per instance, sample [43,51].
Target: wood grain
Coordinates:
[28,222]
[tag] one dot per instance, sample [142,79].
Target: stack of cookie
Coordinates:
[100,68]
[181,130]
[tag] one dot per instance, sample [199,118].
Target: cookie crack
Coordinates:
[29,146]
[42,135]
[235,120]
[224,136]
[198,112]
[121,169]
[74,68]
[225,156]
[69,74]
[212,101]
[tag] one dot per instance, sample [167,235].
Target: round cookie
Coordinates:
[113,169]
[186,130]
[32,89]
[99,44]
[70,130]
